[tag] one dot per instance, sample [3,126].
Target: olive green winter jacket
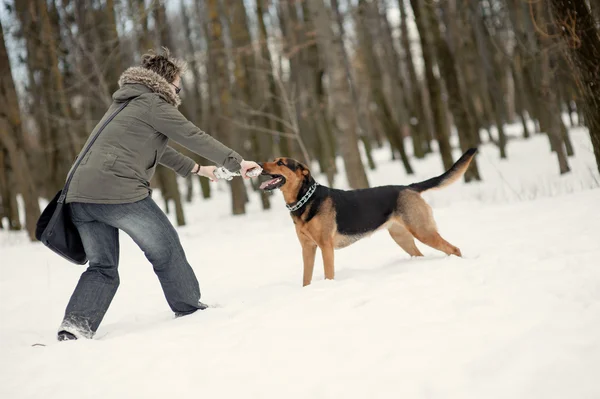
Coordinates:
[121,162]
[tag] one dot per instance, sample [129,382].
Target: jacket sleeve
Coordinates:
[170,122]
[175,160]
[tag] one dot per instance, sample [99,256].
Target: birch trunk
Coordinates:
[333,53]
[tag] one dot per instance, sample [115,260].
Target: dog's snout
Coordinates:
[262,166]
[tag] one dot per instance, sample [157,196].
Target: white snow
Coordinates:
[517,317]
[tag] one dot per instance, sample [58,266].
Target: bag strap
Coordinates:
[61,199]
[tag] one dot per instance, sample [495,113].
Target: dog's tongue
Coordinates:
[267,183]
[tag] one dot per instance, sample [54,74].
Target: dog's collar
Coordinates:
[303,200]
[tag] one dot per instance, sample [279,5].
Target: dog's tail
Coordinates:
[448,177]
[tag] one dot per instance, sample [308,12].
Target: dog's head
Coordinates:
[286,174]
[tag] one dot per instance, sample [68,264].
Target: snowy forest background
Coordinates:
[309,79]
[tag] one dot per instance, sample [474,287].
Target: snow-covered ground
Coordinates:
[517,317]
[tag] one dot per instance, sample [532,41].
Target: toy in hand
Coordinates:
[223,174]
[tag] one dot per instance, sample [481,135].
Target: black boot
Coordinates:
[201,306]
[66,336]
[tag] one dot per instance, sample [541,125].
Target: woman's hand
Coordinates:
[246,166]
[208,171]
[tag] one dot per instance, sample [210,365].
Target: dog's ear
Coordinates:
[305,170]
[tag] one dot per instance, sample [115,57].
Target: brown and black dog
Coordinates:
[331,219]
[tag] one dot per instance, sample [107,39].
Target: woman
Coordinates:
[110,191]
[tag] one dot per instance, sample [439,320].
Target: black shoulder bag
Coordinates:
[54,227]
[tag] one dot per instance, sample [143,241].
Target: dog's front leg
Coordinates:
[309,250]
[327,252]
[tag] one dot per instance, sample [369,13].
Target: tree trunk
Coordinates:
[112,48]
[332,52]
[225,128]
[490,68]
[582,38]
[467,131]
[316,101]
[361,124]
[547,88]
[475,80]
[272,97]
[390,66]
[140,14]
[90,68]
[595,10]
[3,186]
[4,214]
[442,130]
[244,66]
[196,114]
[161,24]
[520,96]
[61,111]
[524,93]
[12,140]
[50,105]
[457,44]
[8,195]
[423,127]
[196,110]
[383,111]
[166,178]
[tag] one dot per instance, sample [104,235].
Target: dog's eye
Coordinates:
[280,163]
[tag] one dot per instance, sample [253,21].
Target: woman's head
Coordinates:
[164,65]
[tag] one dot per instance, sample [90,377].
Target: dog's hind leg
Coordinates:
[435,240]
[418,219]
[404,239]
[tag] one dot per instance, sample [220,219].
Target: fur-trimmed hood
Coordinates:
[152,80]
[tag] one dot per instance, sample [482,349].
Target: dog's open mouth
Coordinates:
[275,182]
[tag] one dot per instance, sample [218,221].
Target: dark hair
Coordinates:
[163,64]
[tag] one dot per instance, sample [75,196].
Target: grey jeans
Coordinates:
[149,227]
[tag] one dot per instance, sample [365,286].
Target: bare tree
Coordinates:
[363,127]
[421,109]
[15,171]
[218,57]
[487,52]
[197,114]
[311,79]
[441,128]
[332,52]
[244,61]
[467,131]
[266,66]
[393,130]
[315,102]
[165,178]
[547,84]
[51,106]
[580,33]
